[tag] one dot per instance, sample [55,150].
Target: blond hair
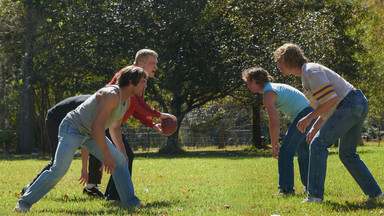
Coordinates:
[291,55]
[144,53]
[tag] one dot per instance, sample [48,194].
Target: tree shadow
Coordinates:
[110,209]
[230,154]
[20,157]
[334,150]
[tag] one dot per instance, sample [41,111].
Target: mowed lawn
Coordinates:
[197,183]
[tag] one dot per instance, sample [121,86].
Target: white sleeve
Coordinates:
[321,87]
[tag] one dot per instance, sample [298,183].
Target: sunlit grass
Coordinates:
[197,183]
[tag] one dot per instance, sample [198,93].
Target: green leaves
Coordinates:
[203,45]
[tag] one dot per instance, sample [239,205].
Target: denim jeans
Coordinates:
[294,142]
[70,139]
[345,123]
[110,190]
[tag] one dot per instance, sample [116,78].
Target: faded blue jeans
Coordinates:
[70,139]
[345,123]
[294,142]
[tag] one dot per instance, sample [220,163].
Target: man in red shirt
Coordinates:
[146,59]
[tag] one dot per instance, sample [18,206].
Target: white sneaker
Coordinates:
[312,200]
[21,209]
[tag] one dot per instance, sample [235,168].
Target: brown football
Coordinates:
[169,126]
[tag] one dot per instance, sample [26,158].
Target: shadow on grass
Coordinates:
[73,199]
[16,157]
[230,154]
[115,209]
[353,206]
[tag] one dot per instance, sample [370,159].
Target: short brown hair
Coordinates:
[131,74]
[291,54]
[259,74]
[143,53]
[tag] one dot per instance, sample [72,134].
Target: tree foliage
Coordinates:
[75,47]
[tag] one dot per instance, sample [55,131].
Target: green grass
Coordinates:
[197,183]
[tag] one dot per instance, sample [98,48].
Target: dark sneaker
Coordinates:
[25,188]
[94,191]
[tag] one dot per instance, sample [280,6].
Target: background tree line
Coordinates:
[50,50]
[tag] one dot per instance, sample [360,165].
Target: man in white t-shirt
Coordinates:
[341,110]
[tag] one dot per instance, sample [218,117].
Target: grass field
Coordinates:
[197,183]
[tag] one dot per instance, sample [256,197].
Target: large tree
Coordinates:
[199,50]
[74,47]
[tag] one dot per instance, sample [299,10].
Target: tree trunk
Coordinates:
[26,136]
[3,106]
[379,137]
[172,147]
[257,142]
[221,140]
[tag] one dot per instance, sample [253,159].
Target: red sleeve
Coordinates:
[140,111]
[144,109]
[143,119]
[114,79]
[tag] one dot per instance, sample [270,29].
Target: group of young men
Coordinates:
[93,122]
[330,108]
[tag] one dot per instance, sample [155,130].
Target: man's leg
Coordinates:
[349,142]
[69,140]
[354,164]
[94,177]
[130,154]
[121,175]
[287,151]
[292,143]
[111,192]
[53,131]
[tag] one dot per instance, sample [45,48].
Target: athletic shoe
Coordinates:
[25,188]
[19,208]
[312,200]
[376,198]
[94,191]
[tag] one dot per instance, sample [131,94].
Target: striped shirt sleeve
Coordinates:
[321,88]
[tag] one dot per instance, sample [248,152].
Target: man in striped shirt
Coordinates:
[340,110]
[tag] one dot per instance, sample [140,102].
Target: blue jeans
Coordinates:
[345,123]
[294,142]
[70,139]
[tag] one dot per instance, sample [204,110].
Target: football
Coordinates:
[169,126]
